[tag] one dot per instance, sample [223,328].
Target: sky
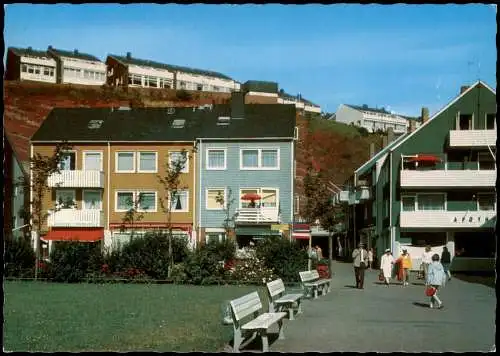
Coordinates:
[400,57]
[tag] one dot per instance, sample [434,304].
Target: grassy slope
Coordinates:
[117,317]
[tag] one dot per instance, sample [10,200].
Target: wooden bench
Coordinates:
[249,307]
[311,282]
[277,296]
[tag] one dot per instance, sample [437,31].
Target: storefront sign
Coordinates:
[279,227]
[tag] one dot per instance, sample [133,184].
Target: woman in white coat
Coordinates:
[386,263]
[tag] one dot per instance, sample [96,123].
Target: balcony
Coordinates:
[441,178]
[257,216]
[448,219]
[472,138]
[75,218]
[76,179]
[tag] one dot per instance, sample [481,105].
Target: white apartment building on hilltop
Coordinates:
[374,119]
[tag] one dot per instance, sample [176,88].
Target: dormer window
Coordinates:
[178,123]
[95,124]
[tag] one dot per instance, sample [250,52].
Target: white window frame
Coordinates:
[136,195]
[73,191]
[259,192]
[296,133]
[86,152]
[69,151]
[186,210]
[116,199]
[225,159]
[83,198]
[457,122]
[186,166]
[206,199]
[259,159]
[432,193]
[133,162]
[138,157]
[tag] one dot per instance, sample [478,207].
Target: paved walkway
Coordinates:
[391,319]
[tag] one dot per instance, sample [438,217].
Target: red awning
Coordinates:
[425,159]
[250,196]
[71,234]
[301,235]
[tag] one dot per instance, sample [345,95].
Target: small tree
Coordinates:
[41,168]
[228,223]
[132,215]
[171,183]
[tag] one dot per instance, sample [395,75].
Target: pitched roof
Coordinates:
[260,86]
[73,54]
[30,52]
[369,164]
[479,84]
[147,63]
[367,108]
[155,124]
[260,121]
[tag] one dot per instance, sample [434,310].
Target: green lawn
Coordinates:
[117,317]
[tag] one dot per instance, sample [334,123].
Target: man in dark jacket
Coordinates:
[446,261]
[360,261]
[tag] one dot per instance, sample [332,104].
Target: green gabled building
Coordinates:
[435,185]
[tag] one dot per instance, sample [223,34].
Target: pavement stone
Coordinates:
[391,319]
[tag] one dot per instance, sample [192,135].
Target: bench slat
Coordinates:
[246,305]
[289,298]
[264,321]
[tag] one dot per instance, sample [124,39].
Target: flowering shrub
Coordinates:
[252,270]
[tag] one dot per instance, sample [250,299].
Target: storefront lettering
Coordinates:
[470,219]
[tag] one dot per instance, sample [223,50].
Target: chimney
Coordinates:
[372,149]
[129,55]
[463,88]
[413,125]
[237,105]
[390,135]
[425,115]
[50,47]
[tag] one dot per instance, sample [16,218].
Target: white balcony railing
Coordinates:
[343,196]
[75,218]
[76,179]
[257,216]
[473,138]
[447,178]
[447,219]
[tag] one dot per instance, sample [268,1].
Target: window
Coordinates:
[37,70]
[67,162]
[212,194]
[490,121]
[211,237]
[270,158]
[259,159]
[124,201]
[153,82]
[147,162]
[147,201]
[179,201]
[92,161]
[134,79]
[431,202]
[199,87]
[486,202]
[250,158]
[24,68]
[269,198]
[179,157]
[249,203]
[486,161]
[46,71]
[408,203]
[178,123]
[464,122]
[125,162]
[65,199]
[296,133]
[92,199]
[216,159]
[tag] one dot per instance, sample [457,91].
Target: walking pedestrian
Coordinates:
[404,265]
[436,278]
[426,259]
[360,261]
[446,261]
[386,263]
[370,258]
